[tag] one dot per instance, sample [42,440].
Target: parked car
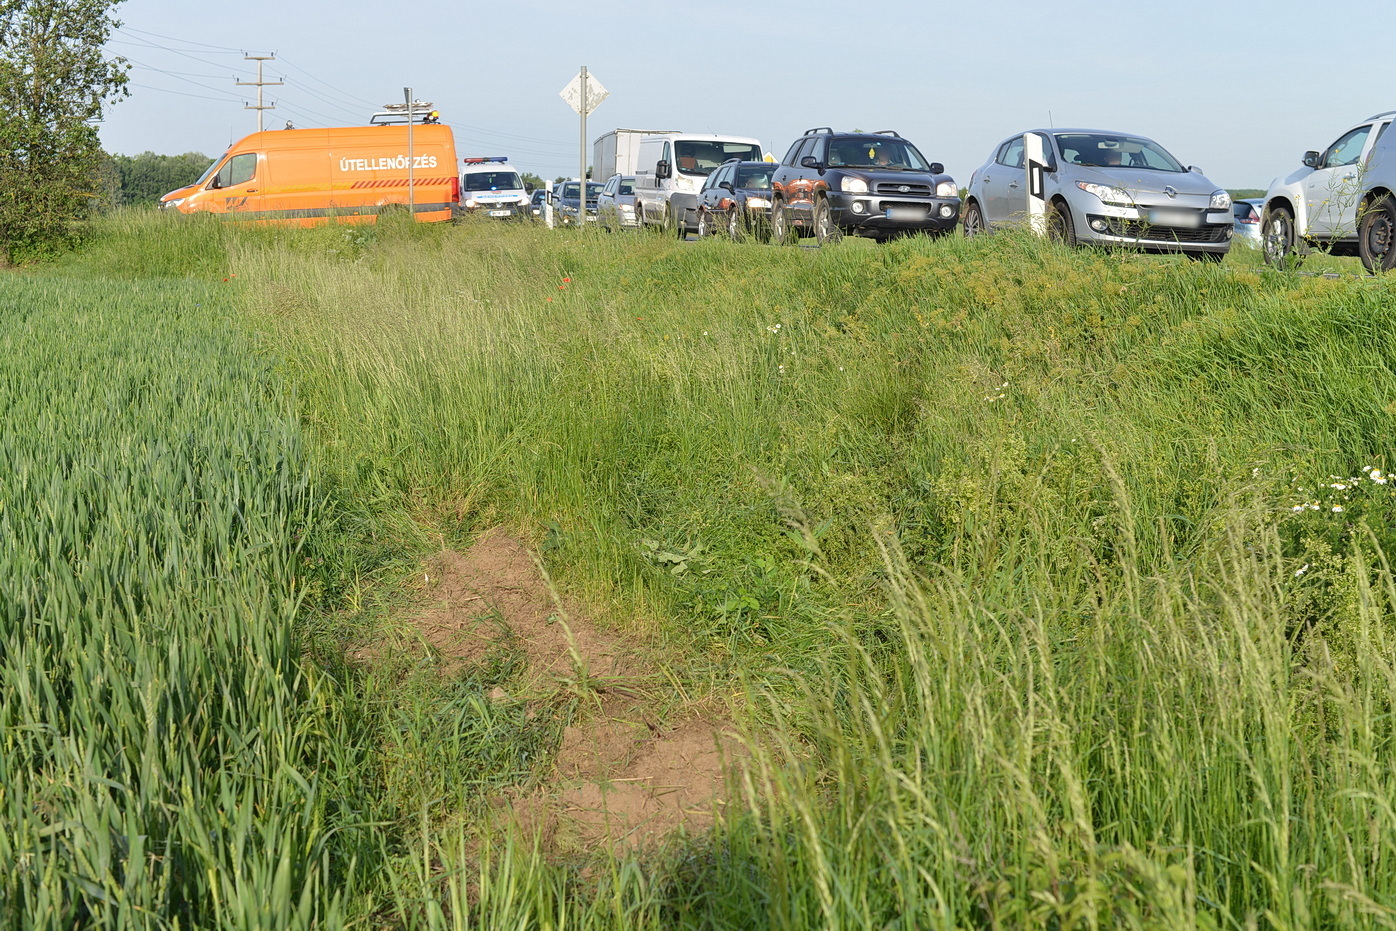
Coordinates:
[736,200]
[566,197]
[1246,220]
[1106,188]
[876,185]
[1318,205]
[1376,212]
[615,205]
[535,201]
[670,169]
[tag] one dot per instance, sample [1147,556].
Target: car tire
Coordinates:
[734,223]
[1059,226]
[780,224]
[1278,240]
[825,230]
[1376,235]
[973,221]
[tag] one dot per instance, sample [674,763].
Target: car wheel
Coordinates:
[973,220]
[780,224]
[825,230]
[1059,226]
[1278,240]
[734,223]
[1376,235]
[704,231]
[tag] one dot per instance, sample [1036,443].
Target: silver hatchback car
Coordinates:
[1106,188]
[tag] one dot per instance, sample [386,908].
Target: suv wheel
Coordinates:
[973,220]
[780,224]
[1376,235]
[825,230]
[1277,238]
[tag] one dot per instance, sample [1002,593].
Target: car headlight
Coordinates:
[946,189]
[171,204]
[1106,193]
[853,186]
[1220,201]
[758,202]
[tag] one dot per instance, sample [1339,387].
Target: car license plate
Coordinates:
[1165,217]
[499,213]
[907,214]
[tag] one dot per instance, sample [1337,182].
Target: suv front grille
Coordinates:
[904,188]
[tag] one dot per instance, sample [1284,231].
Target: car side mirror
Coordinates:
[937,168]
[809,161]
[1194,169]
[1311,159]
[662,170]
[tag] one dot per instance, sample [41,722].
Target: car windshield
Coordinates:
[1106,150]
[756,177]
[701,158]
[876,152]
[493,181]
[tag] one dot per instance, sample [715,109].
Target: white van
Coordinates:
[671,168]
[492,187]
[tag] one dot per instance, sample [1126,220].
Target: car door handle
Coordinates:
[252,190]
[1014,184]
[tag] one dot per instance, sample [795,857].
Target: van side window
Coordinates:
[667,157]
[237,170]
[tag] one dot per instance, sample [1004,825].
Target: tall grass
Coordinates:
[165,759]
[1026,572]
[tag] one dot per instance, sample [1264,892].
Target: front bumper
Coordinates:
[1131,227]
[873,214]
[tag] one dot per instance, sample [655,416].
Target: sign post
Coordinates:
[1035,165]
[584,94]
[411,118]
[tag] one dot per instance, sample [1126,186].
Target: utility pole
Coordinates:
[259,84]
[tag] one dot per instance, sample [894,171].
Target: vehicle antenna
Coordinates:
[1050,124]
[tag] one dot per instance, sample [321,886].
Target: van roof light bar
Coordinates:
[482,160]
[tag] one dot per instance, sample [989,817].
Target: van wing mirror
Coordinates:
[662,170]
[1311,158]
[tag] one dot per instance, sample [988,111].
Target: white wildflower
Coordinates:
[1301,570]
[1337,509]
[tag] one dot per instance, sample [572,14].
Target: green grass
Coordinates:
[991,546]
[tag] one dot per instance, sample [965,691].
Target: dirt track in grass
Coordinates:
[624,775]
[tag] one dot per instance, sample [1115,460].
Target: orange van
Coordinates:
[349,174]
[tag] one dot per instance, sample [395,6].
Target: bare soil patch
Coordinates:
[631,769]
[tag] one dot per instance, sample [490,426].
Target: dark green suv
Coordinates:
[865,184]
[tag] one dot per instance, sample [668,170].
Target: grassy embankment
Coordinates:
[993,545]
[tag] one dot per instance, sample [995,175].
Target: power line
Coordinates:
[222,48]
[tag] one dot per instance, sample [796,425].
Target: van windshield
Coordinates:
[693,157]
[493,181]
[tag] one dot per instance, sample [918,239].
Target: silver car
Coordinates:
[1105,188]
[615,205]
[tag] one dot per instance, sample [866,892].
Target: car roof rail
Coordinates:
[1380,115]
[817,130]
[888,132]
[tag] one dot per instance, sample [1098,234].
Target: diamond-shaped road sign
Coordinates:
[572,93]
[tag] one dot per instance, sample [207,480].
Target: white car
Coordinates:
[1319,204]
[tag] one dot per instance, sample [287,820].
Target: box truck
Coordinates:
[349,174]
[617,152]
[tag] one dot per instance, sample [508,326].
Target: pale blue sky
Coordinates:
[1238,87]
